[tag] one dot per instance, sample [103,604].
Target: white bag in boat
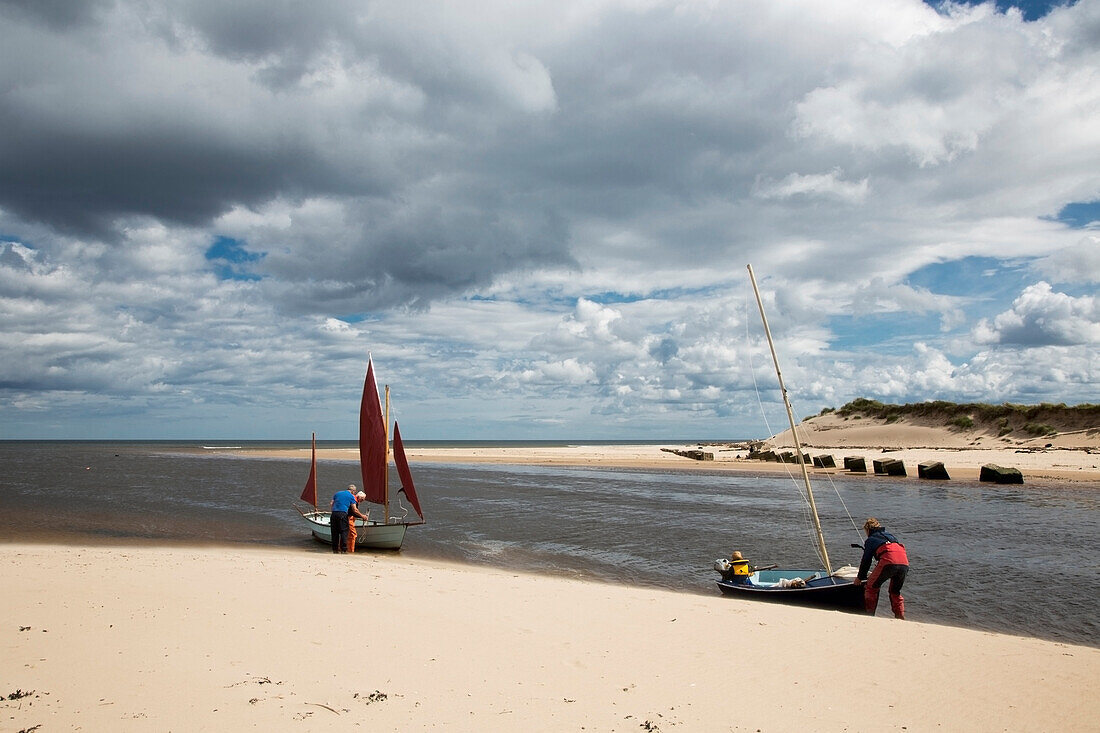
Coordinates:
[848,572]
[791,583]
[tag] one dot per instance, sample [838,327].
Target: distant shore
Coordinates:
[1067,459]
[164,638]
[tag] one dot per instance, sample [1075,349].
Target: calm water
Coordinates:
[1016,559]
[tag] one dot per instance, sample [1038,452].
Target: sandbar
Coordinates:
[1071,459]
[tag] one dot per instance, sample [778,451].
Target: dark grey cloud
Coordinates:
[56,14]
[181,125]
[82,181]
[259,30]
[383,255]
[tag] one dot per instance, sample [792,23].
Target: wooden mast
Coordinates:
[386,463]
[794,432]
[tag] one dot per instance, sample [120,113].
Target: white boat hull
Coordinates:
[369,535]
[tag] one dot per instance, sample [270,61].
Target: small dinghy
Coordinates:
[824,588]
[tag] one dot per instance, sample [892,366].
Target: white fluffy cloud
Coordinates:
[1042,317]
[539,222]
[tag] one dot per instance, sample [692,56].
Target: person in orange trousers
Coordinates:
[353,512]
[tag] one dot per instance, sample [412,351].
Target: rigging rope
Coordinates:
[805,508]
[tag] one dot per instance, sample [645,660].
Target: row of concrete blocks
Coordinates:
[895,467]
[932,470]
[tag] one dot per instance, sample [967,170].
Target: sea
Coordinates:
[1022,560]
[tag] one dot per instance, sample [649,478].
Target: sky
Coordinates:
[537,216]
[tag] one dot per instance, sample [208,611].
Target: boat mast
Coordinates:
[794,432]
[386,463]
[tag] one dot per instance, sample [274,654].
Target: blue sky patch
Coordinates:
[12,238]
[1032,9]
[355,317]
[988,285]
[611,297]
[231,259]
[984,278]
[1080,215]
[883,333]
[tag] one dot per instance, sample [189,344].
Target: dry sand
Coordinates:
[178,639]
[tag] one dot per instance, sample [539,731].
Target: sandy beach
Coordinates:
[1072,459]
[1055,464]
[182,639]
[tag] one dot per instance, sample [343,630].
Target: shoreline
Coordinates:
[706,590]
[159,637]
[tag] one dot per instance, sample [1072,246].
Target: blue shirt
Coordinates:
[342,501]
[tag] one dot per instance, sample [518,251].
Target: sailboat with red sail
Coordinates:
[388,532]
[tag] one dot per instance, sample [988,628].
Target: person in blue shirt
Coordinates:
[352,533]
[342,504]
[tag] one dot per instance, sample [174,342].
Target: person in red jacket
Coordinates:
[893,565]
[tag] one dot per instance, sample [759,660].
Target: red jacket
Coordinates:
[884,547]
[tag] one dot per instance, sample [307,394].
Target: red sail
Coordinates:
[403,471]
[372,441]
[309,493]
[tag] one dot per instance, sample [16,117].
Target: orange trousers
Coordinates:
[351,534]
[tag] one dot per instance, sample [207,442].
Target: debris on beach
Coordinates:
[376,696]
[695,455]
[255,681]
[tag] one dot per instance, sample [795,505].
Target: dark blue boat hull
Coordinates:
[835,593]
